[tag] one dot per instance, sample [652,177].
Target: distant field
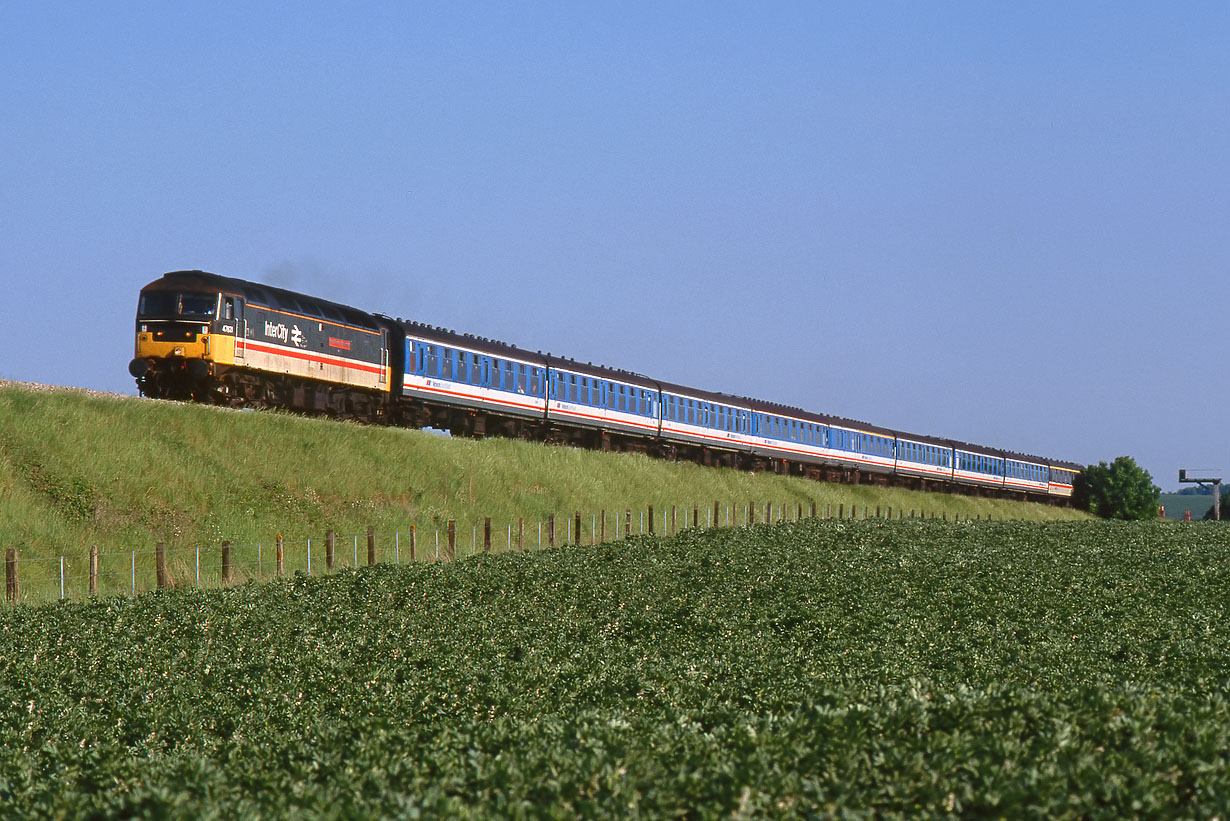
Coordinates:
[1175,504]
[846,669]
[123,474]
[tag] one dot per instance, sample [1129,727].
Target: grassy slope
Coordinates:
[121,473]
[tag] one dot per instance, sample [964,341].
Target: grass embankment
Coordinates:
[814,669]
[123,474]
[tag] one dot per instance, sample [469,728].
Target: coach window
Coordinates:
[536,382]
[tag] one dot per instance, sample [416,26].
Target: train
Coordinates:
[221,340]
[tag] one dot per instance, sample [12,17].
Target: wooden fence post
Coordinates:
[520,533]
[160,564]
[371,545]
[93,569]
[576,534]
[452,540]
[10,575]
[281,566]
[550,530]
[628,523]
[329,544]
[716,510]
[841,511]
[603,538]
[651,520]
[226,562]
[413,539]
[487,534]
[768,513]
[751,513]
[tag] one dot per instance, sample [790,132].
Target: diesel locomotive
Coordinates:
[220,340]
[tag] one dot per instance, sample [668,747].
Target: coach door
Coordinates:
[232,313]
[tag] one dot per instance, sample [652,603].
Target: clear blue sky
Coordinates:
[1000,222]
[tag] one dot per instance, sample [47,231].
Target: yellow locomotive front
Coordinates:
[184,328]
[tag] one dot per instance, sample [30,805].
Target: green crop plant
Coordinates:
[819,668]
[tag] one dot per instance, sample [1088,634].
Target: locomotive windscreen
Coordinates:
[157,304]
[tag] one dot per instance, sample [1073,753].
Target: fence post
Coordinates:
[226,563]
[628,523]
[413,539]
[768,513]
[695,515]
[93,569]
[603,539]
[160,564]
[329,544]
[371,545]
[550,530]
[452,540]
[487,534]
[674,524]
[520,533]
[651,520]
[576,535]
[841,511]
[10,575]
[281,567]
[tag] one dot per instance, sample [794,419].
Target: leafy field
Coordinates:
[818,668]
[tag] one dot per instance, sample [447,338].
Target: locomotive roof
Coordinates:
[265,295]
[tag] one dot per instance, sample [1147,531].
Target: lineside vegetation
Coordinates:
[123,474]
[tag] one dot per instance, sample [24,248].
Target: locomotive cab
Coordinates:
[183,329]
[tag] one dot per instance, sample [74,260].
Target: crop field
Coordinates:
[818,668]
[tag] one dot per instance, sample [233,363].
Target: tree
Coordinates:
[1120,490]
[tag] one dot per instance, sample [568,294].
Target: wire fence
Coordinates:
[137,571]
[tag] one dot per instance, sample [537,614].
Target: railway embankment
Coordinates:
[121,474]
